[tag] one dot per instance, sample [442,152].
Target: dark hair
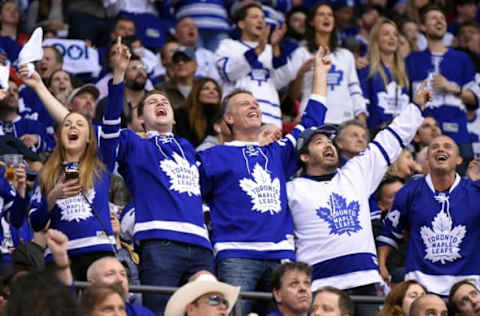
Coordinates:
[280,271]
[49,81]
[430,7]
[386,181]
[394,300]
[452,306]
[149,93]
[469,23]
[58,54]
[95,295]
[344,302]
[122,17]
[197,112]
[42,293]
[310,30]
[241,12]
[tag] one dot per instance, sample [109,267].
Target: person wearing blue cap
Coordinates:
[332,226]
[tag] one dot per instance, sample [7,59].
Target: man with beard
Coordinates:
[108,271]
[451,75]
[135,80]
[33,133]
[338,215]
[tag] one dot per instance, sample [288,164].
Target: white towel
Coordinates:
[32,50]
[4,75]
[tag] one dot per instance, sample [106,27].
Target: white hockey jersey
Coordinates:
[332,218]
[240,67]
[344,94]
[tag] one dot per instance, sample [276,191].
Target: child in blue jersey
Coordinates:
[78,205]
[384,82]
[244,185]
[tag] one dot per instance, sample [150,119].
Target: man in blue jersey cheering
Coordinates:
[244,185]
[330,206]
[441,213]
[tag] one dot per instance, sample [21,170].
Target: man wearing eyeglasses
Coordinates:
[204,295]
[464,299]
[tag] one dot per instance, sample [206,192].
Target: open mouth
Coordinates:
[73,137]
[161,112]
[442,157]
[329,154]
[252,115]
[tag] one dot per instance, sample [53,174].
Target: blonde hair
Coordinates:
[90,166]
[398,72]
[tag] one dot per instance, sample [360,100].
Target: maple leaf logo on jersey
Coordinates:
[392,100]
[76,208]
[342,218]
[264,192]
[184,178]
[443,242]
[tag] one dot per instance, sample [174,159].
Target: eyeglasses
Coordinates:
[215,300]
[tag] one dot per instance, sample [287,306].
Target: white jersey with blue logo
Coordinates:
[240,67]
[443,229]
[332,218]
[344,94]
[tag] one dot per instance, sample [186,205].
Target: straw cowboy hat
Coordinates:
[205,283]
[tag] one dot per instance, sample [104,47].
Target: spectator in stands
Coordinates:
[211,18]
[384,81]
[166,54]
[135,83]
[295,36]
[321,220]
[292,289]
[33,133]
[60,84]
[103,301]
[466,34]
[451,76]
[195,120]
[254,62]
[369,15]
[352,138]
[202,295]
[222,133]
[404,47]
[409,28]
[83,100]
[89,20]
[466,12]
[401,297]
[30,105]
[428,304]
[184,65]
[464,299]
[345,97]
[109,271]
[187,35]
[10,41]
[332,301]
[236,178]
[439,206]
[427,131]
[67,203]
[405,166]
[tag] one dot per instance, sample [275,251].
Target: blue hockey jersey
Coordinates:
[161,174]
[383,102]
[446,108]
[21,126]
[443,232]
[85,219]
[244,186]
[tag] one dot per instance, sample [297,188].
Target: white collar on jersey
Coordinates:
[151,134]
[239,143]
